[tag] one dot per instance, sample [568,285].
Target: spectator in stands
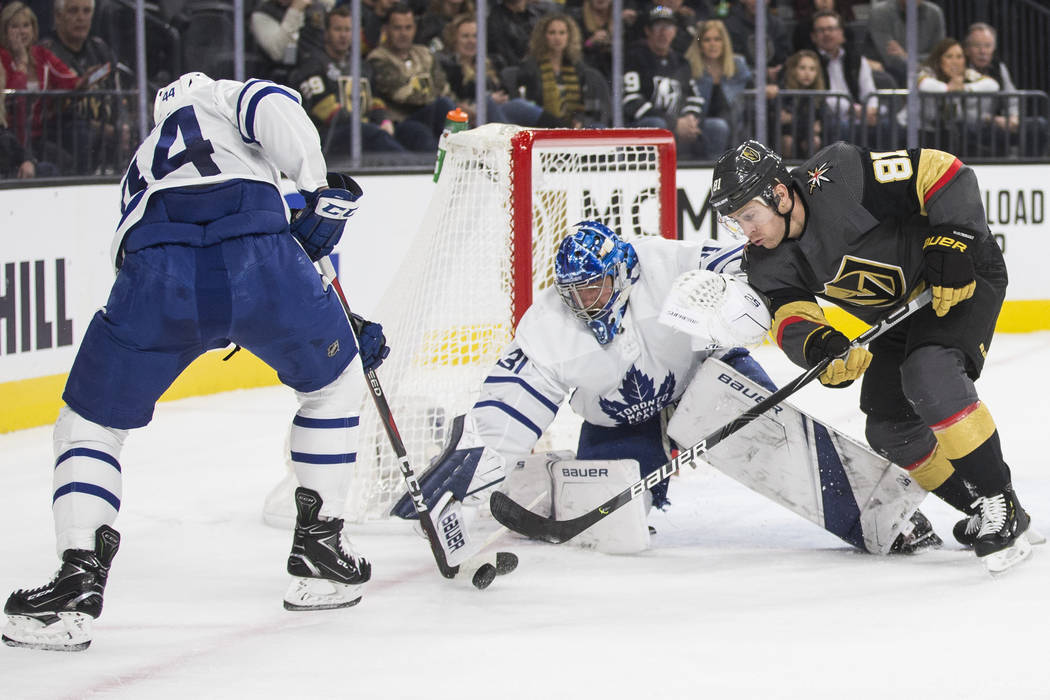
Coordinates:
[325,84]
[800,118]
[14,162]
[659,91]
[409,79]
[594,18]
[288,31]
[886,35]
[509,27]
[846,71]
[741,27]
[801,37]
[29,66]
[956,124]
[374,14]
[431,30]
[459,62]
[719,75]
[980,48]
[95,130]
[555,78]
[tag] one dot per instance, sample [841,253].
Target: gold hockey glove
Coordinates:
[849,363]
[949,268]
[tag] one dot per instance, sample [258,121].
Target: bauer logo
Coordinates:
[453,532]
[591,473]
[749,393]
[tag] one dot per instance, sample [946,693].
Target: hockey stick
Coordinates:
[383,408]
[525,522]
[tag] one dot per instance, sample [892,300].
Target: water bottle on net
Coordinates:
[455,121]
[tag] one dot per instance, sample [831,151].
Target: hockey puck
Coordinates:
[506,562]
[484,576]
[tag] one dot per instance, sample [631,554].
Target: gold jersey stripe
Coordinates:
[963,437]
[934,165]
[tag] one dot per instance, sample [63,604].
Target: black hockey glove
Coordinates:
[319,225]
[371,342]
[849,363]
[949,266]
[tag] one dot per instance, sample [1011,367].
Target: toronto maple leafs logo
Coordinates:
[818,176]
[641,400]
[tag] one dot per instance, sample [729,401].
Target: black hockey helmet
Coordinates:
[750,170]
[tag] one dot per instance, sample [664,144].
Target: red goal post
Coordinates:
[485,246]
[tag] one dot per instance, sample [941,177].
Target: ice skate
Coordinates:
[966,530]
[59,615]
[919,538]
[326,571]
[1001,542]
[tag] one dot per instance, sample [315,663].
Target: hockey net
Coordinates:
[505,199]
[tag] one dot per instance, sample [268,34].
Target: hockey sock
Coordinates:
[970,441]
[957,493]
[86,480]
[323,440]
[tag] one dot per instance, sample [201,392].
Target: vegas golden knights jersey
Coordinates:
[867,215]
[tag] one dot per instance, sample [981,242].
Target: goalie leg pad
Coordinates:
[580,485]
[465,468]
[806,466]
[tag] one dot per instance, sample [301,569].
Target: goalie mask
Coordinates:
[173,95]
[593,272]
[749,171]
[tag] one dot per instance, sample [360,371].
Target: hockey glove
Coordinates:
[949,267]
[849,363]
[371,342]
[319,225]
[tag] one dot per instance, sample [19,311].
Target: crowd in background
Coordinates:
[688,66]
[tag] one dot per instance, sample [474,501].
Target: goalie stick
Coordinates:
[383,408]
[523,521]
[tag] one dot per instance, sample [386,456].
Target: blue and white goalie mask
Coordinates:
[594,271]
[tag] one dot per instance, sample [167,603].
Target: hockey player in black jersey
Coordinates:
[865,230]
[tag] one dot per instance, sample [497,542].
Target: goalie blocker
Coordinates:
[811,469]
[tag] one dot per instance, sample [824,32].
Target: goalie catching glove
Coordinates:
[719,310]
[319,225]
[465,468]
[849,361]
[949,267]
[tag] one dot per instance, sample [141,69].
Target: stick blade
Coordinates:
[514,516]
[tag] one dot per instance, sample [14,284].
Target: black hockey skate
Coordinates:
[327,572]
[58,616]
[920,539]
[1001,540]
[966,530]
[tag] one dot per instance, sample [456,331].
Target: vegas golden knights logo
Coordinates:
[866,283]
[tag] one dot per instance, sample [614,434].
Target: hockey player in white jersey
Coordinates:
[206,256]
[596,338]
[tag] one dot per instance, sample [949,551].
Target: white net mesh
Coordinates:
[449,312]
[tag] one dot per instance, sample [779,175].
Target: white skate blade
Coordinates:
[69,631]
[999,562]
[321,594]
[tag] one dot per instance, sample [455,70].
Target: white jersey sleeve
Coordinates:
[227,130]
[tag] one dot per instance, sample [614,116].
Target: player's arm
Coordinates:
[804,334]
[272,116]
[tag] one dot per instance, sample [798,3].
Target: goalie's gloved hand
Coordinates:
[949,267]
[319,225]
[371,342]
[849,363]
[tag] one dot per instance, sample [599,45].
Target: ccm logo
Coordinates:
[452,531]
[588,473]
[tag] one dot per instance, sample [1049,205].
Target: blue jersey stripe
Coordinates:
[253,104]
[303,422]
[240,99]
[527,387]
[307,458]
[88,489]
[516,415]
[88,452]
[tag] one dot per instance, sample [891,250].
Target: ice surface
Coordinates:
[738,598]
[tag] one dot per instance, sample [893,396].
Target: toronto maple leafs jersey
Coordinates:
[645,368]
[226,131]
[867,215]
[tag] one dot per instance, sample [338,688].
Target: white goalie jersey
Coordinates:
[628,381]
